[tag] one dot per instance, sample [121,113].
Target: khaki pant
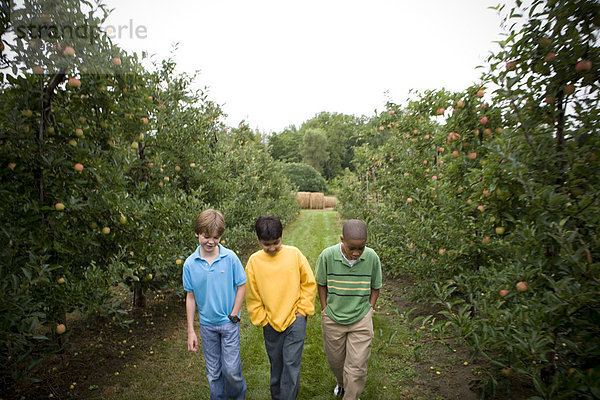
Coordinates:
[348,348]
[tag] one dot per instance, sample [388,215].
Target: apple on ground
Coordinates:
[61,328]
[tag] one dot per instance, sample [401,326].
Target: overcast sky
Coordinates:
[275,63]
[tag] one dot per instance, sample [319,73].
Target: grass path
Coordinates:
[159,366]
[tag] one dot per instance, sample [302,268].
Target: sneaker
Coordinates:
[338,391]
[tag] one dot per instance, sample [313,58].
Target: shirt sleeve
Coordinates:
[187,279]
[254,304]
[321,270]
[376,279]
[308,288]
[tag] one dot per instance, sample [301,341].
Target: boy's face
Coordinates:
[209,242]
[271,247]
[353,248]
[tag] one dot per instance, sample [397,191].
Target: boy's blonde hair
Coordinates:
[210,222]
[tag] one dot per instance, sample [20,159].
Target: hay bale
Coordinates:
[317,201]
[330,202]
[303,199]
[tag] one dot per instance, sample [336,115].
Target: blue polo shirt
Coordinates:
[215,285]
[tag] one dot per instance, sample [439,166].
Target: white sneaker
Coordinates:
[338,391]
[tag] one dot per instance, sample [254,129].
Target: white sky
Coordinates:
[275,63]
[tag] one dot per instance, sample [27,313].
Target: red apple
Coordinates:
[69,51]
[73,83]
[521,286]
[460,104]
[455,153]
[483,120]
[409,200]
[441,149]
[78,167]
[498,130]
[486,239]
[480,207]
[480,93]
[59,206]
[434,177]
[550,57]
[503,292]
[569,89]
[61,280]
[79,132]
[583,66]
[116,61]
[511,65]
[391,112]
[144,120]
[472,156]
[427,137]
[381,128]
[440,111]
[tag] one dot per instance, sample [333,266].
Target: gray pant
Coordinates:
[285,354]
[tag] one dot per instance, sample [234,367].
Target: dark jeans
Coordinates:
[285,354]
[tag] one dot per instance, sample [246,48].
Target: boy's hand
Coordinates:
[192,341]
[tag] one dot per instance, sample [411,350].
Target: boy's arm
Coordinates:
[190,312]
[322,296]
[239,299]
[308,289]
[254,304]
[374,296]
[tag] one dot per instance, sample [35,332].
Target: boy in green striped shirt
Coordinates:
[348,277]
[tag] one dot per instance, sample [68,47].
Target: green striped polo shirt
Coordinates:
[348,287]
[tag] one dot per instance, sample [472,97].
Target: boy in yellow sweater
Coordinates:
[280,295]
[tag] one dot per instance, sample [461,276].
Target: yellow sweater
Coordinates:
[278,287]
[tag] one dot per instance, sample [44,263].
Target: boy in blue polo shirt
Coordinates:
[348,278]
[215,282]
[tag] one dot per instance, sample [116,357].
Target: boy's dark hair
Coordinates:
[268,227]
[354,229]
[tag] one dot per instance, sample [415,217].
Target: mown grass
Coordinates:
[162,368]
